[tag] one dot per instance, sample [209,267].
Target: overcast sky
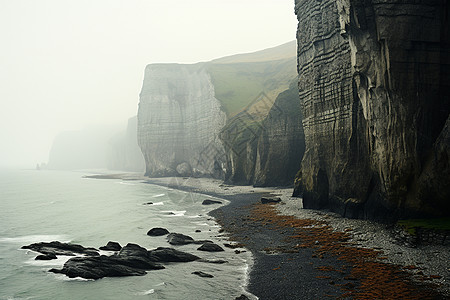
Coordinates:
[68,64]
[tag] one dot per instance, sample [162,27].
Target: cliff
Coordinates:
[125,153]
[179,120]
[374,82]
[267,151]
[197,119]
[82,149]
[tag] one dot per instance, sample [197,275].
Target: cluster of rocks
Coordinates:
[130,260]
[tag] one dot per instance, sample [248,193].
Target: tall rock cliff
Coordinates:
[374,82]
[179,120]
[267,151]
[235,117]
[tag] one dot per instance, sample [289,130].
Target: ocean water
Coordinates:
[38,206]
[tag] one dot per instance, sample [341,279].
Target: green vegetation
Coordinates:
[239,84]
[435,224]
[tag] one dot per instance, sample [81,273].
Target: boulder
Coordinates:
[209,202]
[184,169]
[202,274]
[58,248]
[97,267]
[179,239]
[265,200]
[157,231]
[163,254]
[210,247]
[49,256]
[111,246]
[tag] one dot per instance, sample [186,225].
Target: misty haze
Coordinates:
[272,149]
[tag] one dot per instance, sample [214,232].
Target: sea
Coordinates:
[43,206]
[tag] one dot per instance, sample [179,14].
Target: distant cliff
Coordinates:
[374,84]
[124,153]
[179,120]
[194,120]
[82,149]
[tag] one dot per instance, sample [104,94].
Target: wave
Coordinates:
[148,292]
[159,195]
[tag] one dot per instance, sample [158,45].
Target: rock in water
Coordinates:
[210,247]
[111,246]
[49,256]
[162,254]
[209,202]
[202,274]
[157,231]
[179,239]
[97,267]
[58,248]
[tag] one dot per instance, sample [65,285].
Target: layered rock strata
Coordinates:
[374,82]
[265,152]
[179,120]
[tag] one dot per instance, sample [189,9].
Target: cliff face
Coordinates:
[219,118]
[179,120]
[265,152]
[374,82]
[125,153]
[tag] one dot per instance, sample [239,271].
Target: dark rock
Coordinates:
[157,231]
[202,274]
[242,297]
[49,256]
[366,117]
[111,246]
[209,202]
[58,248]
[147,203]
[97,267]
[198,230]
[265,200]
[210,247]
[132,260]
[179,239]
[214,261]
[162,254]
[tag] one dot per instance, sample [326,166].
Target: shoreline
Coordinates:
[273,272]
[277,272]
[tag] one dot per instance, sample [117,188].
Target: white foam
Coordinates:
[146,292]
[126,183]
[159,195]
[29,239]
[158,203]
[63,277]
[61,260]
[175,213]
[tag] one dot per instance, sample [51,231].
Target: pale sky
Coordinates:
[68,64]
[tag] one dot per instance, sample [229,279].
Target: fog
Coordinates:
[66,65]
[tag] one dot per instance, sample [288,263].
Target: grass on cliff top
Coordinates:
[435,224]
[239,84]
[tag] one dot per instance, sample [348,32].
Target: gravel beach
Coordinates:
[283,270]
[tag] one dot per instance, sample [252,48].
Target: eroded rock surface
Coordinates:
[374,84]
[179,120]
